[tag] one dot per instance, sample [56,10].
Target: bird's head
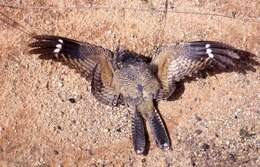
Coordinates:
[124,57]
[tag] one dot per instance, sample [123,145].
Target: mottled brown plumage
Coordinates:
[175,62]
[125,78]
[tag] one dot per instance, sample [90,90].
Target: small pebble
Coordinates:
[205,146]
[198,131]
[59,127]
[72,100]
[198,118]
[56,152]
[232,157]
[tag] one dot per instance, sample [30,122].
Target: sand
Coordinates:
[49,117]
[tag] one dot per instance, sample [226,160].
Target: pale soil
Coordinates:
[214,122]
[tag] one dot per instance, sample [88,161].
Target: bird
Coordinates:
[124,77]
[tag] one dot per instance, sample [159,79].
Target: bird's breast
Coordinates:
[136,83]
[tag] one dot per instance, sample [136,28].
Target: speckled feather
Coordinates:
[138,133]
[159,131]
[125,78]
[101,92]
[175,62]
[78,55]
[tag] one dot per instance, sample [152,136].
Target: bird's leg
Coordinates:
[159,130]
[138,133]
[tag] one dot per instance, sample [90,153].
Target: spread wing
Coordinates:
[175,62]
[83,57]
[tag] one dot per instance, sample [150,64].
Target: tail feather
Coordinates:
[159,131]
[138,133]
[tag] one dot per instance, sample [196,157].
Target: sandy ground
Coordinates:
[49,118]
